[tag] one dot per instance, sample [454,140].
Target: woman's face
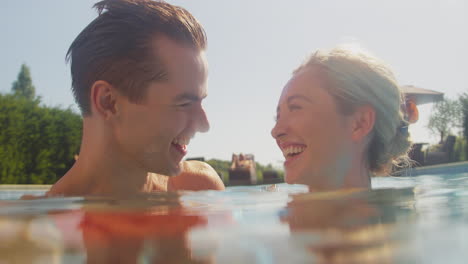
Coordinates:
[313,136]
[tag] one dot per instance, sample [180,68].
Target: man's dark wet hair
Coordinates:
[118,46]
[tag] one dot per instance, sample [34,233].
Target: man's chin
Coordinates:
[168,171]
[174,170]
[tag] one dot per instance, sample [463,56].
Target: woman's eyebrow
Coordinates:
[298,96]
[293,97]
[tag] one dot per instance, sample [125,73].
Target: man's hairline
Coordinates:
[154,49]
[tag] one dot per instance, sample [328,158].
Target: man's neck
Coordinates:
[92,175]
[102,169]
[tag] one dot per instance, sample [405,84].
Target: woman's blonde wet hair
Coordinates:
[355,78]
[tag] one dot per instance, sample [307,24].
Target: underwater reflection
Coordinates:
[375,226]
[350,226]
[126,237]
[147,229]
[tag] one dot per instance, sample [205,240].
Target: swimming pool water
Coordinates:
[421,219]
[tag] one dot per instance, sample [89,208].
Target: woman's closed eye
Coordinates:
[293,107]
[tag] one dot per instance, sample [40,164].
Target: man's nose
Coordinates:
[201,120]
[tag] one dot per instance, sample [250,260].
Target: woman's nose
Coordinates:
[278,130]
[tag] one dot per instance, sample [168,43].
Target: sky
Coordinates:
[253,46]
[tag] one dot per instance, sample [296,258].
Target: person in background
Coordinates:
[340,120]
[139,77]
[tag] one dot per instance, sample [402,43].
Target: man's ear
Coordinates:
[104,99]
[363,122]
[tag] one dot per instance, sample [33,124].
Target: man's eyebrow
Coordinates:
[189,97]
[298,96]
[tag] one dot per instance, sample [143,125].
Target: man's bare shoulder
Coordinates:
[196,176]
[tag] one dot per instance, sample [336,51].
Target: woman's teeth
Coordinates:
[293,150]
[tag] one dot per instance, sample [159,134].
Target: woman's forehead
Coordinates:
[305,82]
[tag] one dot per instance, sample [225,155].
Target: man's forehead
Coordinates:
[170,49]
[190,67]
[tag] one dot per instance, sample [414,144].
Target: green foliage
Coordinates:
[37,143]
[459,153]
[464,110]
[23,86]
[261,169]
[221,166]
[445,116]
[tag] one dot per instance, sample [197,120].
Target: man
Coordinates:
[139,77]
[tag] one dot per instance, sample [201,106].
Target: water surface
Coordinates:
[420,219]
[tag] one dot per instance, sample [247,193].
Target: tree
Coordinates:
[37,143]
[464,109]
[221,167]
[23,86]
[445,116]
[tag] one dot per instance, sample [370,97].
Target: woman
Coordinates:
[339,121]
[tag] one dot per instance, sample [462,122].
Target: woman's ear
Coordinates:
[104,99]
[363,122]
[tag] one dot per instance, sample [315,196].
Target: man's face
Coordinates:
[154,134]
